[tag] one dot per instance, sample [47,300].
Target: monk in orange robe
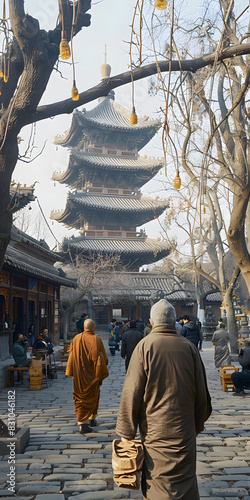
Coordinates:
[87,364]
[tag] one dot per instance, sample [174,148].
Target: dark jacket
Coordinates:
[192,332]
[129,340]
[140,326]
[244,358]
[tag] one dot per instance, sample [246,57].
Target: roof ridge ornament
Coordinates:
[105,68]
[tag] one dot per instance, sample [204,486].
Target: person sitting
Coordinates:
[40,343]
[19,352]
[241,380]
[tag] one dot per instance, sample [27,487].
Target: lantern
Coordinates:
[133,117]
[64,46]
[177,180]
[160,4]
[74,92]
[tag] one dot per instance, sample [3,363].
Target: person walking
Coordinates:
[165,393]
[191,330]
[220,340]
[147,328]
[129,340]
[85,352]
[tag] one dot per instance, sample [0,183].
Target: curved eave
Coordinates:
[115,203]
[142,252]
[82,122]
[79,162]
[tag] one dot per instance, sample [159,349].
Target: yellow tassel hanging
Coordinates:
[177,180]
[1,74]
[64,47]
[133,117]
[5,78]
[74,92]
[160,4]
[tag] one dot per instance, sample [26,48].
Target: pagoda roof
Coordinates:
[141,168]
[108,116]
[140,210]
[137,251]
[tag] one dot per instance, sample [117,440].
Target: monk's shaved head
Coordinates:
[89,325]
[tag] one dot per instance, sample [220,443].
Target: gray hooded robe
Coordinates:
[165,392]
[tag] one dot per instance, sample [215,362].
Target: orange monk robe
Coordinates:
[82,364]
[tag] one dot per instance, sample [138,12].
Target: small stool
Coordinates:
[225,377]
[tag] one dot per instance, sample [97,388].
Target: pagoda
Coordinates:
[104,175]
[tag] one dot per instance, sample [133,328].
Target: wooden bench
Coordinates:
[11,372]
[225,377]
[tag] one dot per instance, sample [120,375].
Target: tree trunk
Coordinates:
[231,321]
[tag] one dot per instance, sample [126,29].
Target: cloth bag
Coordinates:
[127,462]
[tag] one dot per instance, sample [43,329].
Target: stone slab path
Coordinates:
[61,464]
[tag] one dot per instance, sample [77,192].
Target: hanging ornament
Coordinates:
[74,92]
[160,4]
[133,117]
[177,180]
[1,74]
[5,78]
[64,46]
[204,209]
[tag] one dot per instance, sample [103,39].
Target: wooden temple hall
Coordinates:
[29,282]
[105,174]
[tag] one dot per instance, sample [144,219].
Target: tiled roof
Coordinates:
[145,286]
[143,251]
[118,204]
[136,167]
[108,116]
[135,245]
[20,196]
[17,258]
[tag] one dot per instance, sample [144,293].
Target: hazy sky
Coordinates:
[110,20]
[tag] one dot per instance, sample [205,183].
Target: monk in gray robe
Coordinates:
[165,393]
[220,341]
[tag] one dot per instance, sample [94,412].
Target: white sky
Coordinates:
[110,20]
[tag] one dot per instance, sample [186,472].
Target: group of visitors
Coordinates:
[20,348]
[118,330]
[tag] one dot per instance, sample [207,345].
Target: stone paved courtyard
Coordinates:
[61,464]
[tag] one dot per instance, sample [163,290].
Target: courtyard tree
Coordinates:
[29,57]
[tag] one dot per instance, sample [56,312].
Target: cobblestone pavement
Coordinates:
[61,464]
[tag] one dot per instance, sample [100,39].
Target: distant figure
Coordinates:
[129,340]
[220,342]
[140,326]
[191,330]
[165,393]
[31,335]
[147,328]
[85,348]
[80,322]
[124,327]
[19,352]
[179,325]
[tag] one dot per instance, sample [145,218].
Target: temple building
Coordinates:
[105,174]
